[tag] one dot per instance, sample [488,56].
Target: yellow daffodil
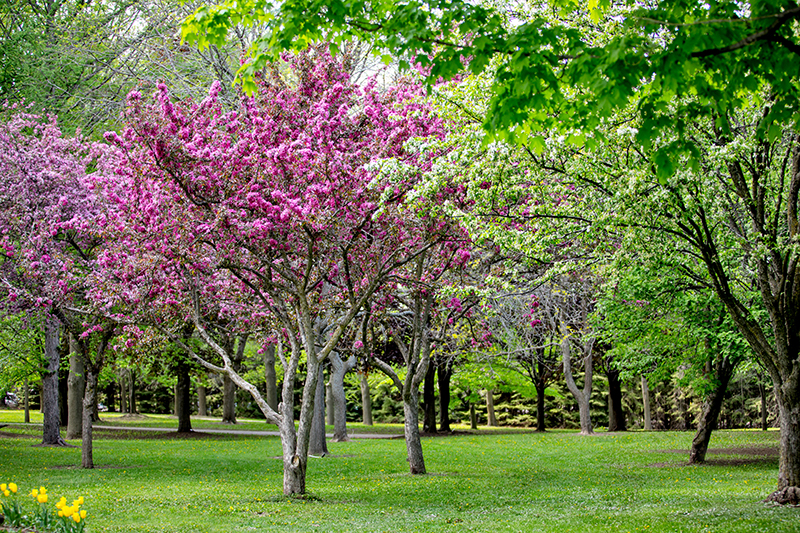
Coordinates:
[3,487]
[80,500]
[42,490]
[61,503]
[12,487]
[34,493]
[42,498]
[77,518]
[6,493]
[83,514]
[61,514]
[68,511]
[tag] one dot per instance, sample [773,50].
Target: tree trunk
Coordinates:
[26,401]
[123,393]
[75,391]
[366,400]
[540,399]
[788,399]
[228,400]
[183,409]
[491,419]
[444,372]
[616,414]
[582,396]
[328,404]
[87,459]
[473,416]
[270,377]
[762,390]
[202,408]
[132,391]
[648,421]
[429,400]
[63,392]
[111,400]
[416,461]
[712,405]
[338,370]
[50,430]
[316,444]
[229,387]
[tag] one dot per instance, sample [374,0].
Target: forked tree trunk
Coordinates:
[75,391]
[366,400]
[50,428]
[444,372]
[648,420]
[338,370]
[582,396]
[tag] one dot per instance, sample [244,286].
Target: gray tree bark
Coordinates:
[75,391]
[270,377]
[328,404]
[429,400]
[50,431]
[87,457]
[229,387]
[416,461]
[366,400]
[582,396]
[202,408]
[648,420]
[317,444]
[338,370]
[491,419]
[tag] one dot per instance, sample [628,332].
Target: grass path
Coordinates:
[557,481]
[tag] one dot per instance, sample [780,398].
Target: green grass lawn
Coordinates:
[558,481]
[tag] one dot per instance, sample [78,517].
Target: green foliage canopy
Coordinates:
[558,66]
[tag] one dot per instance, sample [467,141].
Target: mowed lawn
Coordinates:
[557,481]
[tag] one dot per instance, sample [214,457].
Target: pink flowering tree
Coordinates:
[279,209]
[48,247]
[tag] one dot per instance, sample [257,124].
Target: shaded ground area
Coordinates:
[746,455]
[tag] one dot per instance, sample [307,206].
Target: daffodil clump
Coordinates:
[67,519]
